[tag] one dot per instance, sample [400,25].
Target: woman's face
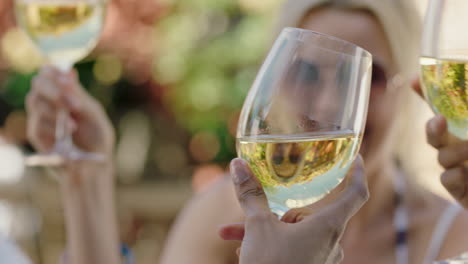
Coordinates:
[363,29]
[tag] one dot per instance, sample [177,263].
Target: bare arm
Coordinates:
[87,188]
[90,218]
[194,238]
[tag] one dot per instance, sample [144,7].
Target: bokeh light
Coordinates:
[20,52]
[204,146]
[169,68]
[15,127]
[232,123]
[258,5]
[108,69]
[11,164]
[205,175]
[133,146]
[6,219]
[206,92]
[171,158]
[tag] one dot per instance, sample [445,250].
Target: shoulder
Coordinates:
[195,231]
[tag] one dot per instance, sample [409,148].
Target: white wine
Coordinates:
[64,31]
[299,170]
[445,86]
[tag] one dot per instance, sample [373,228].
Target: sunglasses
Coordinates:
[379,76]
[307,73]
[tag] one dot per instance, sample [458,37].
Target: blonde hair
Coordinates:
[401,22]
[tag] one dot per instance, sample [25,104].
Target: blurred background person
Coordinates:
[403,222]
[37,196]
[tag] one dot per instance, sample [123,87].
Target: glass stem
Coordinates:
[63,139]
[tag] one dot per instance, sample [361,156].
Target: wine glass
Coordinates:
[64,31]
[444,62]
[302,122]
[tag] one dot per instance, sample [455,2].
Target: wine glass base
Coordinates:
[54,159]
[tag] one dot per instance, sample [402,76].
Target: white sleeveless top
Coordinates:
[401,223]
[440,232]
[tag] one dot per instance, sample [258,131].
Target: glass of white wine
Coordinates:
[302,122]
[444,62]
[64,31]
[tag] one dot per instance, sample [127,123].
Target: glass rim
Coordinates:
[364,53]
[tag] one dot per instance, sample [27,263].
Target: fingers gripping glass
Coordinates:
[444,62]
[65,31]
[303,119]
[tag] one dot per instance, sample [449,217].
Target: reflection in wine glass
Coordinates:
[444,63]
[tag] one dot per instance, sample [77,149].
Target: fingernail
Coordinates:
[240,172]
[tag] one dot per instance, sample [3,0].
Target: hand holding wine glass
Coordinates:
[84,182]
[53,90]
[453,156]
[313,239]
[444,63]
[65,31]
[302,122]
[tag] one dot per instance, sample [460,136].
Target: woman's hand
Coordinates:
[53,90]
[453,155]
[87,187]
[310,238]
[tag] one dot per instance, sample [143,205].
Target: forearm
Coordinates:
[91,225]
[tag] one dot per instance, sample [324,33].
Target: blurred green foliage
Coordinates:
[208,53]
[211,53]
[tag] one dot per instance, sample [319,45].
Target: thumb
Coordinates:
[248,189]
